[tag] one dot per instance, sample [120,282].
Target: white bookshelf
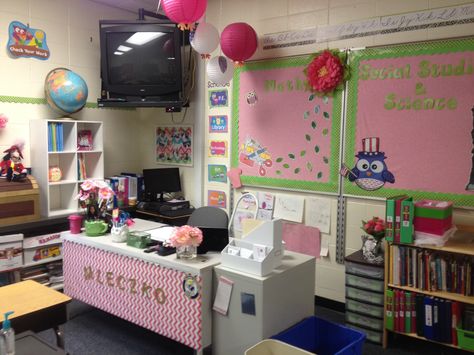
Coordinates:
[57,198]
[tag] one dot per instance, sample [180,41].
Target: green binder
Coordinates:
[408,308]
[406,223]
[389,309]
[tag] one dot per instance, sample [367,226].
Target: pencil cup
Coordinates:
[119,234]
[75,223]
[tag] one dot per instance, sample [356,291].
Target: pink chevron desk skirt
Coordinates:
[162,299]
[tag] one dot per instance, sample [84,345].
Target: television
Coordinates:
[161,181]
[140,64]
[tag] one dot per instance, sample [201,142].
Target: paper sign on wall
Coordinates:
[27,42]
[289,208]
[216,199]
[302,239]
[218,149]
[218,98]
[218,124]
[217,173]
[318,213]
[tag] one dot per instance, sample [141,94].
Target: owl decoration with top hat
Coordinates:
[371,171]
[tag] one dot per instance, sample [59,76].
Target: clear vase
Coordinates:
[186,252]
[372,249]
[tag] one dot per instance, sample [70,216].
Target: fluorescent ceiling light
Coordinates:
[118,53]
[124,48]
[140,38]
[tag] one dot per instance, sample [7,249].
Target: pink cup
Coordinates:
[75,223]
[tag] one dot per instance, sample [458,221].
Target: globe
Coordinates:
[65,90]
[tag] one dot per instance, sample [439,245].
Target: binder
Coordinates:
[456,320]
[413,314]
[402,312]
[389,309]
[408,307]
[406,224]
[420,314]
[428,330]
[398,216]
[437,319]
[397,311]
[447,322]
[396,265]
[390,217]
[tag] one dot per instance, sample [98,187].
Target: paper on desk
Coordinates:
[161,234]
[222,300]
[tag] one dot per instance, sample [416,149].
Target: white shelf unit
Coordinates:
[57,198]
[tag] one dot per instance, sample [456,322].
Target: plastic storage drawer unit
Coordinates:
[372,335]
[366,296]
[366,322]
[367,284]
[364,270]
[364,308]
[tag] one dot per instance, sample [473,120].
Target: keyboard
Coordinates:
[178,212]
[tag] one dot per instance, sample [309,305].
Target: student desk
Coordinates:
[161,293]
[36,307]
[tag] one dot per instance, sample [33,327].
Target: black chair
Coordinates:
[213,222]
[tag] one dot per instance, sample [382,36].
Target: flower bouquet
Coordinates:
[186,239]
[372,244]
[94,195]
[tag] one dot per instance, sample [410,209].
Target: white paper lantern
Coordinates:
[204,39]
[220,70]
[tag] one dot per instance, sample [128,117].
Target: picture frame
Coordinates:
[174,145]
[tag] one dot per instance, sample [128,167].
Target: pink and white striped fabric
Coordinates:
[143,293]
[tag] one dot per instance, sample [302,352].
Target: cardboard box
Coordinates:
[259,252]
[42,249]
[19,201]
[11,252]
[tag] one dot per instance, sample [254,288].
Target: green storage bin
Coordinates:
[433,209]
[465,339]
[138,239]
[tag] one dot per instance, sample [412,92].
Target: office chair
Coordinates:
[210,217]
[213,223]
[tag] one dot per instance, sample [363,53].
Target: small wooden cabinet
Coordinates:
[61,150]
[365,296]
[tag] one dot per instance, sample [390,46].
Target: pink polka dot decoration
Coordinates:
[239,41]
[184,12]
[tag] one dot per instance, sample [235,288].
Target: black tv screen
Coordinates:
[141,61]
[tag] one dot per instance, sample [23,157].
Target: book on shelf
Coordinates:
[82,166]
[428,324]
[408,311]
[389,309]
[420,314]
[397,311]
[401,317]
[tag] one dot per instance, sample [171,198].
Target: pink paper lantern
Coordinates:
[184,12]
[239,41]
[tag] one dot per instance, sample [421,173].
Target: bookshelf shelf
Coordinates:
[62,151]
[439,294]
[414,335]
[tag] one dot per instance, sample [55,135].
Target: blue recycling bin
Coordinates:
[322,337]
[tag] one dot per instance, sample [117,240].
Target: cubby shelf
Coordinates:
[58,198]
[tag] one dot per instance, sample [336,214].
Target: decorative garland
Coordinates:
[327,72]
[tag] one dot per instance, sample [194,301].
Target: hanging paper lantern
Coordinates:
[239,41]
[220,70]
[168,46]
[204,39]
[184,12]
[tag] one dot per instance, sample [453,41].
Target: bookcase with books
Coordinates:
[63,154]
[428,288]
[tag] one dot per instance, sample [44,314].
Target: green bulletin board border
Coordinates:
[333,184]
[42,101]
[396,51]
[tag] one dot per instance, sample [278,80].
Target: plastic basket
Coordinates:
[465,339]
[274,347]
[322,337]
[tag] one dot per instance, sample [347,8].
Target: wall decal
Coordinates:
[216,173]
[218,124]
[218,98]
[218,149]
[216,199]
[27,42]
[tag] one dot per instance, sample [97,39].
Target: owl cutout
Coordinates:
[252,98]
[371,171]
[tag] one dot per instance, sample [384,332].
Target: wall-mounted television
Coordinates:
[140,64]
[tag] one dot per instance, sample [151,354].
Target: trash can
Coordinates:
[322,337]
[274,347]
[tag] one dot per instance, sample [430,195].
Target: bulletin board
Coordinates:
[415,103]
[284,136]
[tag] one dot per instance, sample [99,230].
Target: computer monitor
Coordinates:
[161,181]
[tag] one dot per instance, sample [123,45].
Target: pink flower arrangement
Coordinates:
[94,196]
[3,120]
[325,72]
[185,236]
[374,227]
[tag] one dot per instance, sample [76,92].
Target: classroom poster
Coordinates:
[283,135]
[174,145]
[412,105]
